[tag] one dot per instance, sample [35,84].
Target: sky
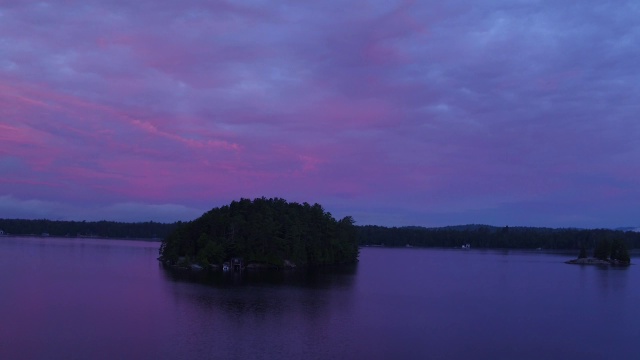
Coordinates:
[427,113]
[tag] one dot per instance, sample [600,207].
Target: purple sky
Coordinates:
[514,112]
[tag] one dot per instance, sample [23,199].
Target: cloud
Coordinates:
[128,212]
[422,106]
[11,207]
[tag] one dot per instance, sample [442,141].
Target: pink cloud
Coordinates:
[453,109]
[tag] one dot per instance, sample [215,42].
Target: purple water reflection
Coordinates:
[106,299]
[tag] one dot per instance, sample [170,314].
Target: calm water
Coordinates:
[110,299]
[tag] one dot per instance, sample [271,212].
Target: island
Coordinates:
[261,233]
[606,252]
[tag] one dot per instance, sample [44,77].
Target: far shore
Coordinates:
[79,237]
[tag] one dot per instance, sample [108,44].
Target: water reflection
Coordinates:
[612,278]
[339,276]
[307,293]
[74,299]
[297,311]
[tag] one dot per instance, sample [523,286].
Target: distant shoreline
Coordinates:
[78,237]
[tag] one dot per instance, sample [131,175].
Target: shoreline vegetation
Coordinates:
[606,252]
[88,237]
[493,237]
[149,230]
[477,236]
[262,234]
[594,261]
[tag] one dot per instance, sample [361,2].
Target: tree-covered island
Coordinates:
[605,253]
[263,233]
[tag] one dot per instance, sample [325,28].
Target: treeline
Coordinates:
[263,231]
[478,236]
[483,236]
[106,229]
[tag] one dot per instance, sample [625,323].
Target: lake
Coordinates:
[111,299]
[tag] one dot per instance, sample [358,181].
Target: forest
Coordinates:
[293,219]
[269,232]
[483,236]
[102,229]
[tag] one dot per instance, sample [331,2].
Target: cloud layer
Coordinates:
[396,112]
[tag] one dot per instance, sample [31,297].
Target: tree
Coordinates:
[583,252]
[619,251]
[264,231]
[602,250]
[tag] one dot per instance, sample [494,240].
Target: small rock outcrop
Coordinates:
[594,261]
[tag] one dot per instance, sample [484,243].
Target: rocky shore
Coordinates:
[182,264]
[594,261]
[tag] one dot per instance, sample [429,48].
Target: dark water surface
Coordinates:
[110,299]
